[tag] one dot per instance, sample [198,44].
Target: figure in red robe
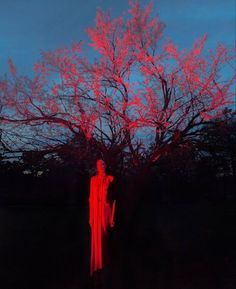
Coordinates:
[101,214]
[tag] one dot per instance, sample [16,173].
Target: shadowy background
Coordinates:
[175,221]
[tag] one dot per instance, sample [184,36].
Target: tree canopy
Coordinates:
[138,100]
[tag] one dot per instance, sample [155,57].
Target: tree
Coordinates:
[138,100]
[218,145]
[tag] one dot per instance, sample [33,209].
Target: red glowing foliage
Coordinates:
[138,92]
[12,67]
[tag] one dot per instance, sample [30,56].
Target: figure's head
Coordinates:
[101,166]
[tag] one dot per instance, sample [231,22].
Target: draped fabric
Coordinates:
[99,218]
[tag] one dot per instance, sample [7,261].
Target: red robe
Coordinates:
[99,217]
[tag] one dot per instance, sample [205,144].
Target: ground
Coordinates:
[179,246]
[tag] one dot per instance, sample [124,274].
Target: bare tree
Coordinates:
[139,99]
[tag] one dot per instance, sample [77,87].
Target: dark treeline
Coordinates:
[203,169]
[174,223]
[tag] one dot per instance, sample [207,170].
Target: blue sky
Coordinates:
[28,26]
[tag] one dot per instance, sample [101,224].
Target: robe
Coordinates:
[100,217]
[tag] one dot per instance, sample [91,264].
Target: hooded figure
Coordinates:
[101,214]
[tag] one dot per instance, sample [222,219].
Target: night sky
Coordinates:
[29,26]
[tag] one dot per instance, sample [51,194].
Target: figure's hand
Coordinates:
[111,178]
[112,224]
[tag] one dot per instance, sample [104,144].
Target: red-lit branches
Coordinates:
[140,94]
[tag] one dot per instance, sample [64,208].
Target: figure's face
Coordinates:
[100,166]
